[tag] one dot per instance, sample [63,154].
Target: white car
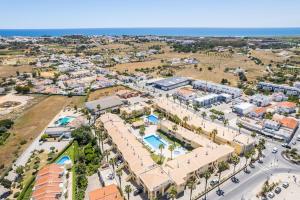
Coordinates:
[271,195]
[275,150]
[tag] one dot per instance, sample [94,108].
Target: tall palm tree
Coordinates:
[191,185]
[171,149]
[214,133]
[206,175]
[203,114]
[185,119]
[161,147]
[112,162]
[235,160]
[222,166]
[240,126]
[128,190]
[247,156]
[119,173]
[173,192]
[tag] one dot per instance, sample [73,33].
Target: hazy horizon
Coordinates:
[68,14]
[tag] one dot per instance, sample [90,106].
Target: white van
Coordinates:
[298,137]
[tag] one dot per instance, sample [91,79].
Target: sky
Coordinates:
[20,14]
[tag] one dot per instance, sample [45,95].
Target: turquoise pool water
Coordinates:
[64,121]
[62,160]
[154,141]
[153,119]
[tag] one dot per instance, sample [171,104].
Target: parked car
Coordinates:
[285,185]
[104,166]
[271,195]
[286,145]
[275,150]
[251,165]
[277,190]
[235,180]
[294,142]
[137,191]
[260,160]
[214,182]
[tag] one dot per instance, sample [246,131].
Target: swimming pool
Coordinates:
[153,119]
[63,121]
[154,141]
[62,160]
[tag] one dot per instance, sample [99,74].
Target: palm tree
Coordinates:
[225,122]
[240,126]
[174,127]
[112,162]
[171,149]
[235,160]
[98,109]
[185,119]
[161,147]
[198,130]
[128,190]
[206,175]
[191,185]
[247,156]
[203,114]
[222,166]
[214,133]
[119,174]
[173,192]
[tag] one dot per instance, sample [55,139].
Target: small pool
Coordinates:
[153,119]
[62,160]
[154,141]
[63,121]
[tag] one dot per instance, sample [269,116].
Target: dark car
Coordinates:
[277,190]
[137,191]
[235,180]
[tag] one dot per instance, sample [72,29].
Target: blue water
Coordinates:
[153,119]
[62,160]
[154,141]
[252,32]
[64,121]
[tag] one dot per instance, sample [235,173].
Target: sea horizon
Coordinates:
[157,31]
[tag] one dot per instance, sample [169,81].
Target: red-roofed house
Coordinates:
[286,107]
[110,192]
[258,112]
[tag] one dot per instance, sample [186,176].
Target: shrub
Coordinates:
[16,194]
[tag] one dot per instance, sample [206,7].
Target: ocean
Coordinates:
[204,32]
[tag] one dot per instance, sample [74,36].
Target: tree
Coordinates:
[174,127]
[161,147]
[199,130]
[142,130]
[112,162]
[247,156]
[222,166]
[191,185]
[173,192]
[203,114]
[185,119]
[225,122]
[214,133]
[240,126]
[206,175]
[128,190]
[171,149]
[235,160]
[119,173]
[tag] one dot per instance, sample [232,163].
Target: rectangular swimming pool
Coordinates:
[153,119]
[64,121]
[154,141]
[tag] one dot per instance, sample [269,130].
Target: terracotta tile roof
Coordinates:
[289,122]
[260,110]
[47,184]
[110,192]
[287,104]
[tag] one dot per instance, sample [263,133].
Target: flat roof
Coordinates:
[206,97]
[105,103]
[244,105]
[171,81]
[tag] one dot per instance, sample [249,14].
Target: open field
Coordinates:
[8,70]
[30,124]
[105,92]
[130,67]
